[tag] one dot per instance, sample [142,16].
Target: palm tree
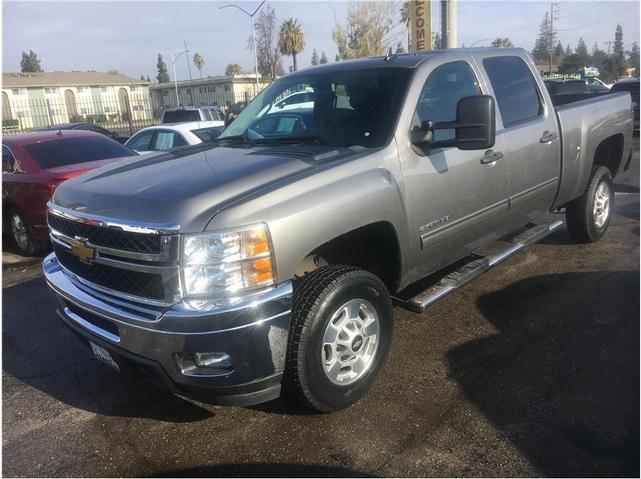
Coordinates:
[291,40]
[199,61]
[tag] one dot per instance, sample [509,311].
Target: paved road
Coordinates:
[530,370]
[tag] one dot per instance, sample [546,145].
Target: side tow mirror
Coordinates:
[475,126]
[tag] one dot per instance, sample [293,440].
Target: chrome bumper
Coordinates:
[253,334]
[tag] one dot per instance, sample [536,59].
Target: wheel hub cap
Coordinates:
[19,231]
[601,207]
[350,342]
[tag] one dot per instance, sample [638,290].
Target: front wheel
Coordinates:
[588,216]
[341,335]
[20,234]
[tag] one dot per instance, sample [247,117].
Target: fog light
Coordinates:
[204,364]
[212,360]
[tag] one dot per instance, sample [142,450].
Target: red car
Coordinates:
[33,165]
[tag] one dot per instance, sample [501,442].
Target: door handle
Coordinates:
[548,137]
[491,156]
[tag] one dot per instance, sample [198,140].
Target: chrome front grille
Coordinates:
[107,237]
[133,261]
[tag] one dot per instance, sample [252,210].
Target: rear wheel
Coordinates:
[341,334]
[588,216]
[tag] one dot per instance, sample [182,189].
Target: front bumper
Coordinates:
[253,334]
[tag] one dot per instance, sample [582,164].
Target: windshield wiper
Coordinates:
[236,139]
[291,139]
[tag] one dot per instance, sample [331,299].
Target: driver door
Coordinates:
[455,202]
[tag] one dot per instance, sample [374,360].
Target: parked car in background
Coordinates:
[166,137]
[184,114]
[303,99]
[596,85]
[33,165]
[87,126]
[630,85]
[568,91]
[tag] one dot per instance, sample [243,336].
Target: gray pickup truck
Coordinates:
[270,260]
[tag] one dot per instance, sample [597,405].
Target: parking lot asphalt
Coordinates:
[532,369]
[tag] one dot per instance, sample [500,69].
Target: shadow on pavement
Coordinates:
[560,378]
[264,470]
[40,351]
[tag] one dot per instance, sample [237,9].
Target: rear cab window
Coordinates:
[515,89]
[69,151]
[181,116]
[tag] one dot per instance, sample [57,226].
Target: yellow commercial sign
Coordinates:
[421,25]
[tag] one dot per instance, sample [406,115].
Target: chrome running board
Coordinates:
[475,268]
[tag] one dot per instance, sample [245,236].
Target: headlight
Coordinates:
[216,265]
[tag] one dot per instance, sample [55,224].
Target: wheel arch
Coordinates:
[374,247]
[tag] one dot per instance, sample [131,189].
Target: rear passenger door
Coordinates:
[530,131]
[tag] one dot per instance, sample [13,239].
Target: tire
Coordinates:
[20,234]
[584,223]
[330,294]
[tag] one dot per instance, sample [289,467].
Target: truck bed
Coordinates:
[583,126]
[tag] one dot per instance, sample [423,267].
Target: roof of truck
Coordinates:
[401,60]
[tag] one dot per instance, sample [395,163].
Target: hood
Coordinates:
[67,171]
[186,188]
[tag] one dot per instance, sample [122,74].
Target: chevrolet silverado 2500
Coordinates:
[270,259]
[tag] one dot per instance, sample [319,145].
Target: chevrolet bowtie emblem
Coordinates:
[84,253]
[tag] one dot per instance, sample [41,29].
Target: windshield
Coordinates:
[338,109]
[68,151]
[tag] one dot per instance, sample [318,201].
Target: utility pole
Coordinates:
[608,44]
[553,13]
[448,24]
[188,61]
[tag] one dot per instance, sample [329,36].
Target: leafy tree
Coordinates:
[30,63]
[568,50]
[367,29]
[502,43]
[233,69]
[572,63]
[582,51]
[542,45]
[148,79]
[558,50]
[436,41]
[337,58]
[291,40]
[323,58]
[315,59]
[142,77]
[199,61]
[270,61]
[113,71]
[633,58]
[400,48]
[163,76]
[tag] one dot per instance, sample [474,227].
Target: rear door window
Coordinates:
[69,151]
[165,139]
[515,89]
[9,164]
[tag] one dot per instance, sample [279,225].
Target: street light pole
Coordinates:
[251,17]
[478,41]
[173,64]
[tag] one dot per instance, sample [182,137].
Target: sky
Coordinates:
[127,36]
